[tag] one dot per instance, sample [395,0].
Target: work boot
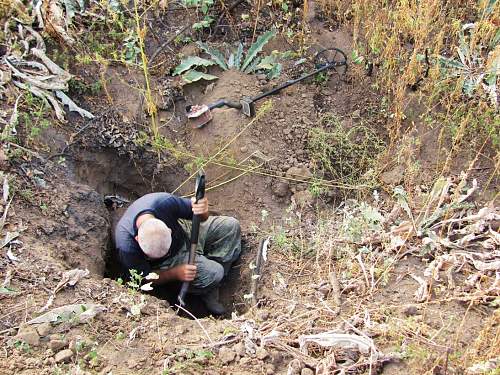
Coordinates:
[212,303]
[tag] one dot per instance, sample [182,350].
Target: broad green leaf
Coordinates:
[230,61]
[356,57]
[239,55]
[193,76]
[451,63]
[216,55]
[205,22]
[495,40]
[71,9]
[402,198]
[470,85]
[253,66]
[275,71]
[489,8]
[7,290]
[191,61]
[267,63]
[115,6]
[257,47]
[462,53]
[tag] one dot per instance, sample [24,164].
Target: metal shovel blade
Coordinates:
[247,107]
[198,115]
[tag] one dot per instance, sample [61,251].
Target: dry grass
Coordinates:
[397,36]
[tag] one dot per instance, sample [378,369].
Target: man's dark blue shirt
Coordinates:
[165,207]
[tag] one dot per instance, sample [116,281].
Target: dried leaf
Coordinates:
[10,129]
[146,287]
[152,276]
[72,106]
[56,22]
[71,277]
[47,305]
[344,340]
[40,43]
[80,313]
[6,190]
[53,84]
[486,266]
[265,246]
[8,238]
[422,293]
[11,256]
[469,192]
[486,367]
[38,12]
[52,66]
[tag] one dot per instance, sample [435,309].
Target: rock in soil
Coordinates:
[303,198]
[28,335]
[132,363]
[226,355]
[301,173]
[44,329]
[56,345]
[393,177]
[306,371]
[63,356]
[411,311]
[281,189]
[262,315]
[245,361]
[270,369]
[261,353]
[240,349]
[294,367]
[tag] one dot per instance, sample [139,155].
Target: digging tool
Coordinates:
[257,271]
[195,230]
[330,58]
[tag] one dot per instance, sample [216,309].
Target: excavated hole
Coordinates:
[111,174]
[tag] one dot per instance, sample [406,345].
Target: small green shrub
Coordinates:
[343,154]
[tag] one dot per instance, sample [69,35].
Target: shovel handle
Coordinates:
[224,103]
[195,231]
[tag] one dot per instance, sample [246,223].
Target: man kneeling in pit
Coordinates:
[153,236]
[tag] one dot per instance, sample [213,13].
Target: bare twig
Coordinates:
[362,265]
[166,43]
[197,322]
[228,11]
